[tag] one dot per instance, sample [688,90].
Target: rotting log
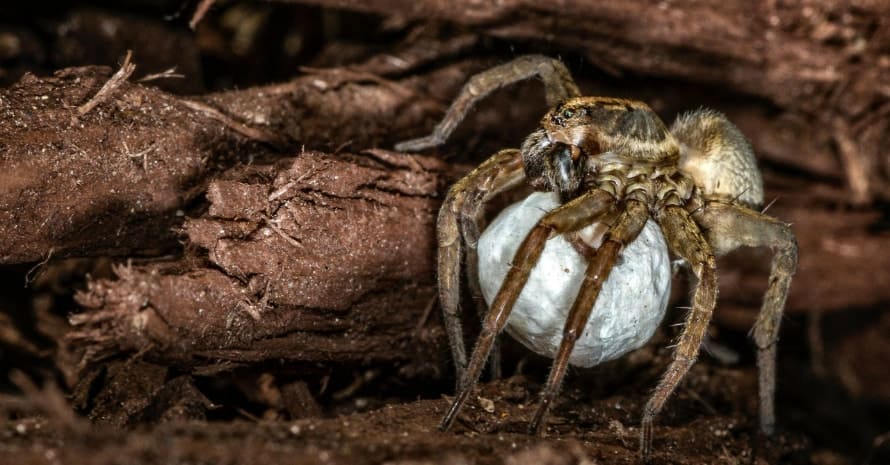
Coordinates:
[319,258]
[108,181]
[116,179]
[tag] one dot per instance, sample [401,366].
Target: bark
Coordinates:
[321,258]
[117,179]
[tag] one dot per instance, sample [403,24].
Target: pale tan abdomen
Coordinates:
[718,158]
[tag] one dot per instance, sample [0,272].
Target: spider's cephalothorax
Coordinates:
[612,162]
[618,145]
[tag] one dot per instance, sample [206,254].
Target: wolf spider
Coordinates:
[613,160]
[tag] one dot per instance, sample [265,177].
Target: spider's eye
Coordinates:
[568,113]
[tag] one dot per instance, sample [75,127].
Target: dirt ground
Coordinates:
[216,256]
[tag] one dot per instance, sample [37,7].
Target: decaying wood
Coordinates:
[110,181]
[828,63]
[117,179]
[320,258]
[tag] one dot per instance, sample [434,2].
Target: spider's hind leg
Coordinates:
[730,226]
[457,227]
[558,86]
[684,239]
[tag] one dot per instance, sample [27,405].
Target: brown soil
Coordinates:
[230,266]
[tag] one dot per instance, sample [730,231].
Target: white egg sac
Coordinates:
[630,305]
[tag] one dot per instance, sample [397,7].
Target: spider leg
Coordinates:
[457,225]
[730,226]
[558,86]
[685,240]
[471,238]
[569,217]
[625,230]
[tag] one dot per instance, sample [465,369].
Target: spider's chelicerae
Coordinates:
[614,163]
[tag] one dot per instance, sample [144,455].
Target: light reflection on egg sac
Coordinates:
[630,305]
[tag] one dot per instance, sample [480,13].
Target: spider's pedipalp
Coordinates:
[684,239]
[558,87]
[625,230]
[571,216]
[456,228]
[729,227]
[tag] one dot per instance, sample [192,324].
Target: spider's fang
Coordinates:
[564,165]
[566,181]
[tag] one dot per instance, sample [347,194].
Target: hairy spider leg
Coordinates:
[622,232]
[558,87]
[728,227]
[684,239]
[571,216]
[457,227]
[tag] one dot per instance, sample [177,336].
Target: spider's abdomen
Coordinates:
[718,158]
[630,306]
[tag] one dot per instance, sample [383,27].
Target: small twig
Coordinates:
[357,383]
[110,86]
[241,128]
[288,238]
[342,146]
[166,74]
[283,190]
[426,312]
[200,11]
[143,154]
[138,356]
[31,275]
[249,415]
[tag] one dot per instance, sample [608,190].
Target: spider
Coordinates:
[612,161]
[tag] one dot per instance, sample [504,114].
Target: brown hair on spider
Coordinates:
[561,154]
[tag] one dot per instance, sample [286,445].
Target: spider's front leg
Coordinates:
[571,216]
[558,87]
[730,226]
[685,240]
[457,226]
[626,228]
